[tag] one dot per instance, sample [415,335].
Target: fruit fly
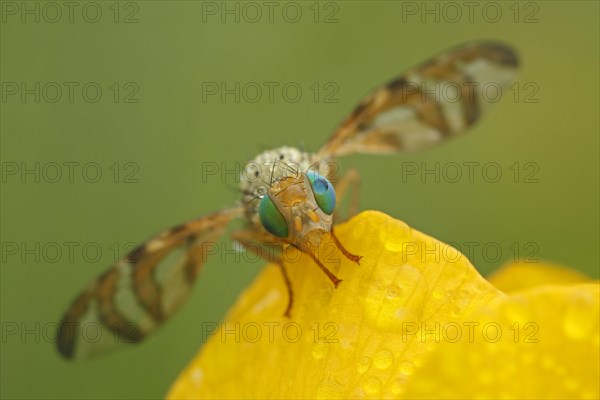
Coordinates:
[291,202]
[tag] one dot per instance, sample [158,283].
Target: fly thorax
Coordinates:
[269,168]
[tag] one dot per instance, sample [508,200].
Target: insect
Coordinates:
[291,202]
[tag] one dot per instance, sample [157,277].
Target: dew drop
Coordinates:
[397,386]
[419,360]
[517,312]
[394,236]
[571,383]
[407,368]
[548,362]
[580,316]
[383,359]
[393,292]
[334,309]
[456,311]
[528,358]
[438,293]
[485,377]
[363,364]
[385,314]
[372,386]
[197,376]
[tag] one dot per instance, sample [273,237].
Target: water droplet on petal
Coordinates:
[407,368]
[395,234]
[197,376]
[580,317]
[393,292]
[384,313]
[363,364]
[372,386]
[398,386]
[528,358]
[571,383]
[517,311]
[485,377]
[548,362]
[383,359]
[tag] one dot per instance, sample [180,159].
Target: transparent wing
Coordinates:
[141,291]
[432,102]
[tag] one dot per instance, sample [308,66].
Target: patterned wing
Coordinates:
[142,290]
[427,104]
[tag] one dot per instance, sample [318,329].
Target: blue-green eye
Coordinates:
[271,218]
[324,192]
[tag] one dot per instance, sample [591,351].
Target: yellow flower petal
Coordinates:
[512,277]
[363,339]
[538,343]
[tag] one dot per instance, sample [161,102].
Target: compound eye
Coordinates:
[324,192]
[271,218]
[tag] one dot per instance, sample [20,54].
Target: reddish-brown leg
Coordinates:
[345,252]
[288,283]
[334,279]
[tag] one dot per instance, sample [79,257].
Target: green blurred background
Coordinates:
[164,51]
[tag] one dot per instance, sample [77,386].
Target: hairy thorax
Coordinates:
[268,169]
